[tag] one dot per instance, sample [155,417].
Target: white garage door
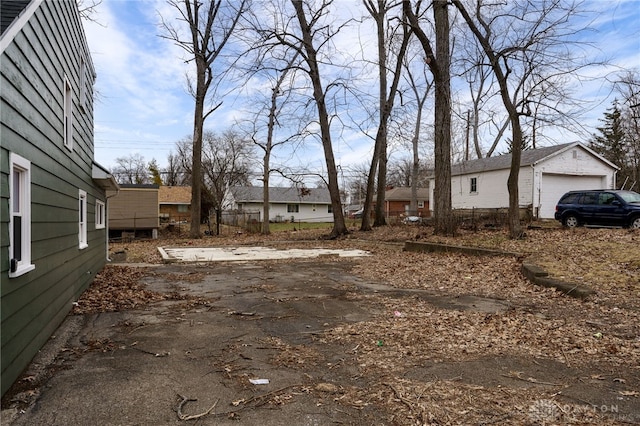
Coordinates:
[555,186]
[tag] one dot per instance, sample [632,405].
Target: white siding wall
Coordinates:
[579,162]
[580,167]
[306,213]
[573,169]
[491,189]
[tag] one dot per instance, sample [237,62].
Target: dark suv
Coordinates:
[599,207]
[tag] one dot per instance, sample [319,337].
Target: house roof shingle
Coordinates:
[247,194]
[500,162]
[174,195]
[138,186]
[403,193]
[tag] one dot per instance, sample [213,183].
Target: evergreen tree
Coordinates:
[155,172]
[525,146]
[611,142]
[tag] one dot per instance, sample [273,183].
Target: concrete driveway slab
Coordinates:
[238,254]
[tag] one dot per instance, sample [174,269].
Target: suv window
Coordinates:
[590,198]
[571,198]
[606,198]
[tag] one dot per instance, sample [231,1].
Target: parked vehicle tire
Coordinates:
[635,223]
[571,221]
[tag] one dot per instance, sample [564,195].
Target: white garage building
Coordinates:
[545,175]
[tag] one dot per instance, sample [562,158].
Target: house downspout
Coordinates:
[106,218]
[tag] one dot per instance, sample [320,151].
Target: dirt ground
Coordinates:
[396,338]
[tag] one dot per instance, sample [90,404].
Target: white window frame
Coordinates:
[82,219]
[83,84]
[67,119]
[421,204]
[100,215]
[293,208]
[20,206]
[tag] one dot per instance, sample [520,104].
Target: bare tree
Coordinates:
[628,86]
[380,10]
[227,160]
[308,51]
[275,66]
[420,89]
[174,174]
[88,9]
[274,111]
[356,185]
[538,34]
[439,64]
[480,80]
[210,26]
[131,170]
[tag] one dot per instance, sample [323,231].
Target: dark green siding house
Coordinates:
[53,200]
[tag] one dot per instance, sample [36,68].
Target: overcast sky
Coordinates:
[143,106]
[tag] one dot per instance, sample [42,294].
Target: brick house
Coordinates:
[174,203]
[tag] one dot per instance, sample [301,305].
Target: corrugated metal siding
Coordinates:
[32,69]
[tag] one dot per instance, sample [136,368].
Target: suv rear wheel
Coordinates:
[571,221]
[635,223]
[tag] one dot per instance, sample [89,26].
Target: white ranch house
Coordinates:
[285,204]
[545,175]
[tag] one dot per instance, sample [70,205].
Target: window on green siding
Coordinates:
[68,115]
[20,217]
[100,215]
[82,219]
[83,84]
[293,208]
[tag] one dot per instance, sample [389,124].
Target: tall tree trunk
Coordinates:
[339,225]
[415,165]
[381,135]
[515,227]
[444,221]
[196,161]
[380,219]
[439,64]
[386,98]
[265,192]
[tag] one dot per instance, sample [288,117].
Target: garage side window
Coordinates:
[20,216]
[293,208]
[473,185]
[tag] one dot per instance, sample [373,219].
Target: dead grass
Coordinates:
[539,324]
[608,260]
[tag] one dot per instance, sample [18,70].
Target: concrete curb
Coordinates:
[539,276]
[165,256]
[530,270]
